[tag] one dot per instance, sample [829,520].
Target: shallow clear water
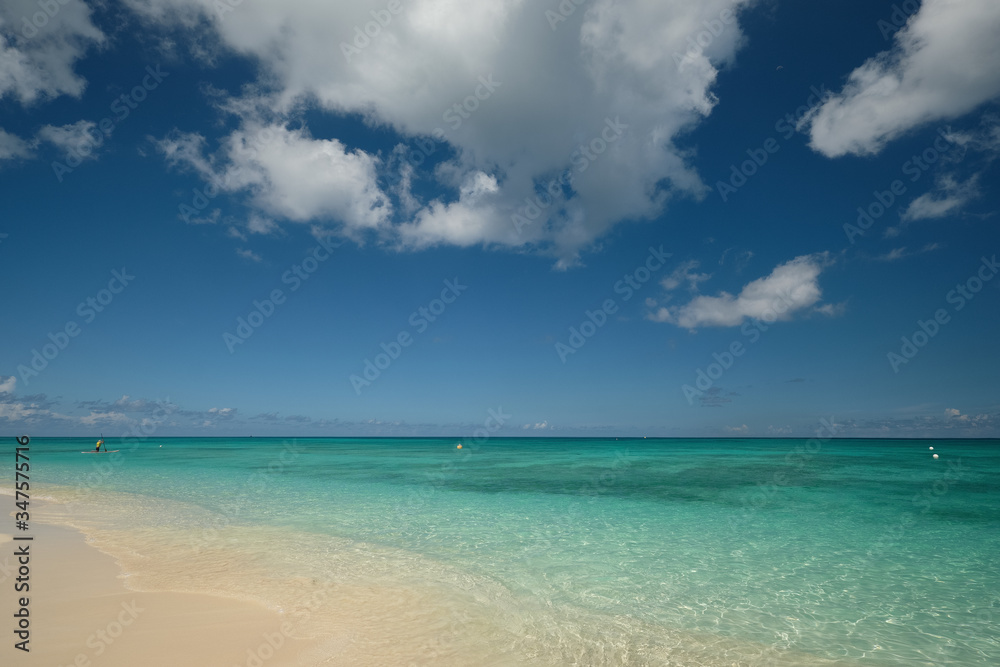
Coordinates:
[566,551]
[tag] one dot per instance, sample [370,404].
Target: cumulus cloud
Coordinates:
[791,287]
[291,175]
[492,105]
[7,384]
[37,61]
[943,65]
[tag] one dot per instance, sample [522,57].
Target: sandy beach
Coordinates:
[82,614]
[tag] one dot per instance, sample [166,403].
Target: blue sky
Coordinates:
[632,218]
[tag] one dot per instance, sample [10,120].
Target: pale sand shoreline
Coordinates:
[84,611]
[83,615]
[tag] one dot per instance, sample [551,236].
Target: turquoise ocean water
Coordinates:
[563,551]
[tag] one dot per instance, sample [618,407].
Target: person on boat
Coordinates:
[99,443]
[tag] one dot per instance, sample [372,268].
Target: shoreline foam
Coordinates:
[350,603]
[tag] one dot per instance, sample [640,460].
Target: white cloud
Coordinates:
[246,253]
[983,139]
[737,429]
[899,253]
[953,413]
[212,218]
[32,413]
[258,224]
[13,147]
[80,138]
[943,65]
[292,175]
[95,418]
[552,93]
[222,413]
[16,411]
[832,309]
[7,385]
[790,287]
[460,222]
[685,273]
[894,254]
[37,62]
[948,197]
